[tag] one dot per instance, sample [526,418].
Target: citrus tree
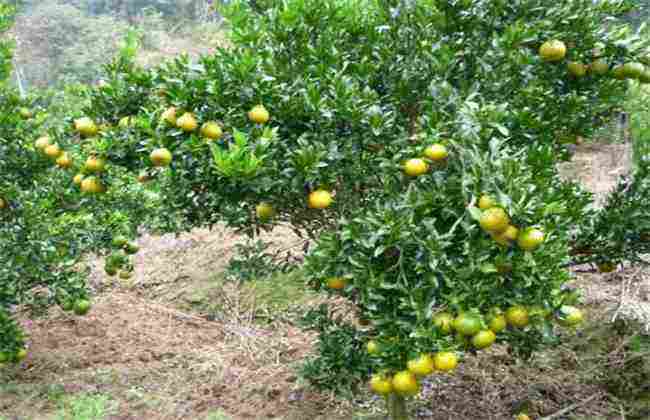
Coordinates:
[54,209]
[415,143]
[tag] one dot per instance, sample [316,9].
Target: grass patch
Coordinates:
[280,295]
[85,407]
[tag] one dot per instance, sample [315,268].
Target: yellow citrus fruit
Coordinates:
[320,199]
[606,267]
[53,151]
[486,202]
[421,366]
[91,185]
[64,161]
[467,324]
[445,361]
[497,323]
[21,355]
[522,416]
[95,164]
[161,157]
[211,130]
[42,142]
[187,122]
[494,220]
[25,113]
[599,67]
[169,116]
[85,126]
[264,211]
[405,383]
[373,347]
[444,322]
[415,167]
[570,316]
[380,384]
[577,69]
[436,152]
[3,203]
[553,50]
[530,239]
[517,316]
[507,237]
[259,115]
[336,283]
[77,179]
[81,307]
[619,72]
[633,70]
[484,339]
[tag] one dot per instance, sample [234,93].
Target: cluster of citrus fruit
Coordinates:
[556,51]
[435,153]
[89,176]
[118,261]
[78,306]
[473,331]
[496,222]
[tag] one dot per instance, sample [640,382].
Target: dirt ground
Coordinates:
[149,346]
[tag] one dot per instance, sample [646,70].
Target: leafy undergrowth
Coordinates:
[195,346]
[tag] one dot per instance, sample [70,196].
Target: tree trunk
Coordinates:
[397,407]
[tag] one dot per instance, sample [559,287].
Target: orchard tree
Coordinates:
[55,208]
[415,143]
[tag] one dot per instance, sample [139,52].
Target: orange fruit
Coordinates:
[577,69]
[380,384]
[494,220]
[421,366]
[444,322]
[530,239]
[320,199]
[264,211]
[161,157]
[517,316]
[405,383]
[415,167]
[336,283]
[169,116]
[42,142]
[484,339]
[259,115]
[445,361]
[486,202]
[553,50]
[187,122]
[211,130]
[436,152]
[53,151]
[95,164]
[64,161]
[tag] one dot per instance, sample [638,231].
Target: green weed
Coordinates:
[84,407]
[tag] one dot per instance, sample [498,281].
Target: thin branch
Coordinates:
[570,408]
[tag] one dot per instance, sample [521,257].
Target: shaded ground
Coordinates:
[179,342]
